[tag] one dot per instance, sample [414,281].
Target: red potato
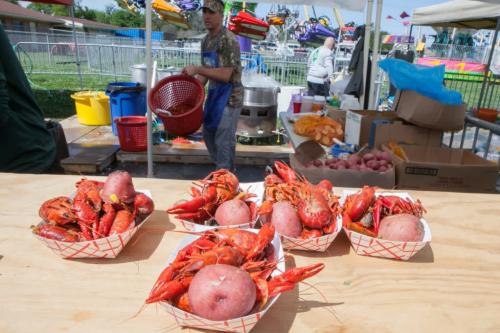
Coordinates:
[382,168]
[318,163]
[233,212]
[386,156]
[368,156]
[286,220]
[353,159]
[364,168]
[118,188]
[382,163]
[373,164]
[402,228]
[333,166]
[221,292]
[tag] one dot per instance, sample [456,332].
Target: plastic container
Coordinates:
[176,92]
[318,103]
[92,108]
[132,133]
[341,151]
[487,114]
[126,99]
[307,102]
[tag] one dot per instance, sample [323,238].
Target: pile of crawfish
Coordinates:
[208,194]
[251,252]
[316,205]
[87,217]
[363,210]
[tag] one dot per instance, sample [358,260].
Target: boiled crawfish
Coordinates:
[86,217]
[364,210]
[316,205]
[208,194]
[236,247]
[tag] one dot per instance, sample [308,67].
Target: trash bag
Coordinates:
[425,80]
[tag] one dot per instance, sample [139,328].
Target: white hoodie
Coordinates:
[320,64]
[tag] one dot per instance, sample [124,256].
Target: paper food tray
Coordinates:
[375,247]
[107,247]
[318,244]
[241,324]
[256,188]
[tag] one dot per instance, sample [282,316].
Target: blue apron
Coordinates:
[218,94]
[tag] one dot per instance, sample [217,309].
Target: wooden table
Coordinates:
[451,286]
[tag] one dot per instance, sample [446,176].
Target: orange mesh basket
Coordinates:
[178,102]
[132,133]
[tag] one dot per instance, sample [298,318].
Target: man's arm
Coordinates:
[201,78]
[329,64]
[222,74]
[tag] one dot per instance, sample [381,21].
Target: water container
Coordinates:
[126,99]
[307,102]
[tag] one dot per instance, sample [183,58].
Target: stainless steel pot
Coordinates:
[162,73]
[260,96]
[139,74]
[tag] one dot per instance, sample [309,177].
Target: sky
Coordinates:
[391,7]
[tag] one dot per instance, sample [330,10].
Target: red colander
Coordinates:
[178,102]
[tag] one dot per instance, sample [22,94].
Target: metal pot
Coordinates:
[139,74]
[260,96]
[162,73]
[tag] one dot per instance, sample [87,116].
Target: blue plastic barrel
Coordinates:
[126,99]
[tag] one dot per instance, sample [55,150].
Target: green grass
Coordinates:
[53,92]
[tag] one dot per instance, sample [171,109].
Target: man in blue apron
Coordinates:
[221,67]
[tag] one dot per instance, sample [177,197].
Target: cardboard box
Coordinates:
[377,128]
[426,112]
[444,169]
[337,115]
[345,178]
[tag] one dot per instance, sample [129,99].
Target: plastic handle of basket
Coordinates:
[165,112]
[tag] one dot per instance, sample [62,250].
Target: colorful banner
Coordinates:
[392,39]
[453,65]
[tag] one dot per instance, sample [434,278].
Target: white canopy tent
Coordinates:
[355,5]
[471,14]
[459,14]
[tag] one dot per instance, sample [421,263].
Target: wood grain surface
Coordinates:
[453,285]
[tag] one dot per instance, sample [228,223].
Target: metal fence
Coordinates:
[116,60]
[477,54]
[110,61]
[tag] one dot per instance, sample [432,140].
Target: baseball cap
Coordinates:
[214,5]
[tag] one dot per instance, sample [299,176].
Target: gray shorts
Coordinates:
[221,144]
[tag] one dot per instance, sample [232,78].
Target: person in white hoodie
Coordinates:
[320,64]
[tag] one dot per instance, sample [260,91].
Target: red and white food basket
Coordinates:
[106,247]
[253,188]
[242,324]
[376,247]
[318,244]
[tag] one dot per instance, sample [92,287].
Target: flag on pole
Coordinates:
[404,15]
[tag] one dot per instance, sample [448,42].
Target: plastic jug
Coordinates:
[318,103]
[307,102]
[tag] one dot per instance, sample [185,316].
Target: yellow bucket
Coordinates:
[92,108]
